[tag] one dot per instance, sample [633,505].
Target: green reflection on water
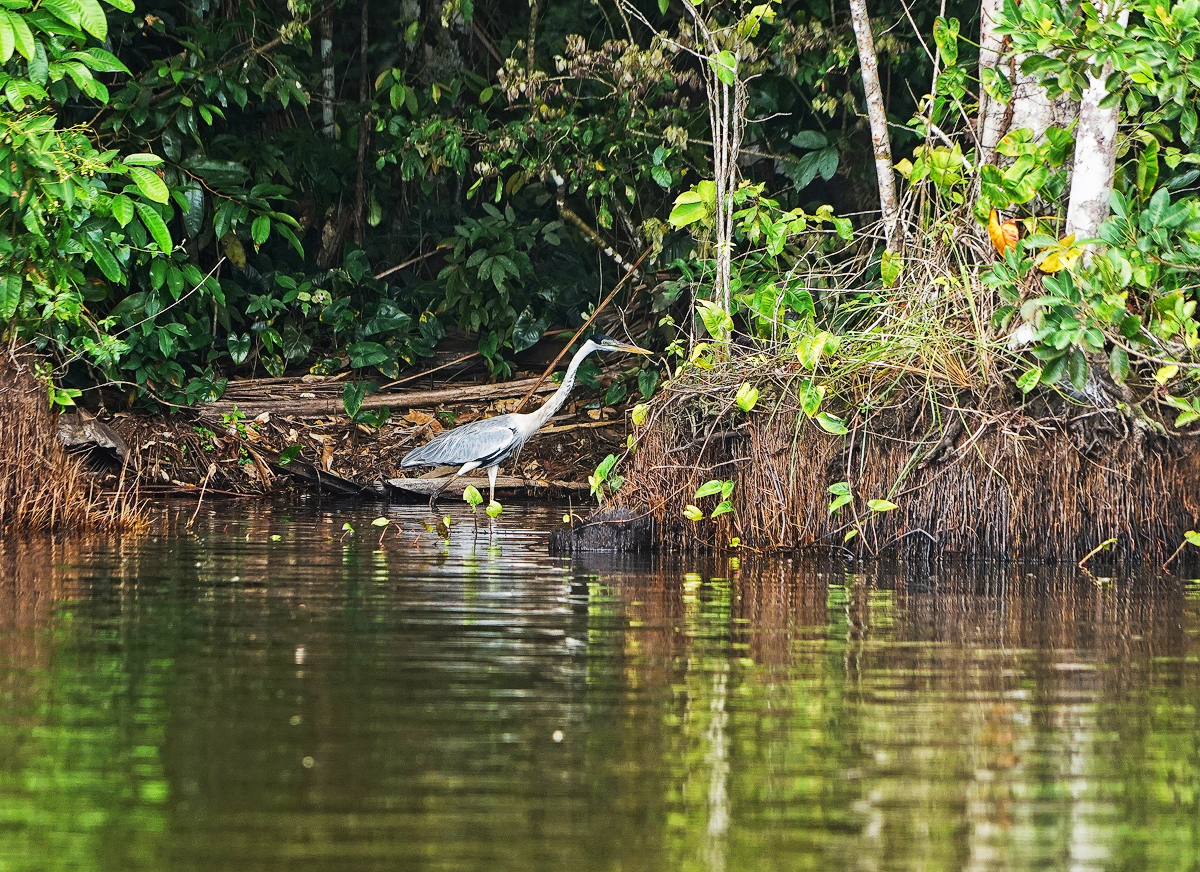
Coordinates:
[268,695]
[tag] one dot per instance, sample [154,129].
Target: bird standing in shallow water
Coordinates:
[490,442]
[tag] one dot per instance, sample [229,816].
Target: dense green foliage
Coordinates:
[184,199]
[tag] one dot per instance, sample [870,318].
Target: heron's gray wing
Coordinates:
[487,440]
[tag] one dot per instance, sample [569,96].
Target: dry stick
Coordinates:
[212,467]
[586,324]
[1175,554]
[409,262]
[1096,551]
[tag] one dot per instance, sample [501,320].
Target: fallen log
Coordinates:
[426,486]
[318,406]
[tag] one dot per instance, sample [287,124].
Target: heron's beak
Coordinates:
[632,349]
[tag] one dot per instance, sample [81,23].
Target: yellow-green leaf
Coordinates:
[148,182]
[693,514]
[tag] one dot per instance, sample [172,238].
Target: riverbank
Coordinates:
[915,468]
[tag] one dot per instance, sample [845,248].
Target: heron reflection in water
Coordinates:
[490,442]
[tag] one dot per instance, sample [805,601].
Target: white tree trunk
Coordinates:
[991,112]
[889,205]
[1095,155]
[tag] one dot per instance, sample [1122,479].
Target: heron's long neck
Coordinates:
[559,397]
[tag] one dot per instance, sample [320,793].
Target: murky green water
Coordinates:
[263,694]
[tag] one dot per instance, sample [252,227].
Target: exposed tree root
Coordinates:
[976,474]
[41,486]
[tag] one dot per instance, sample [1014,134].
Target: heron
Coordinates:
[490,442]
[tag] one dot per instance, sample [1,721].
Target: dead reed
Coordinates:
[41,486]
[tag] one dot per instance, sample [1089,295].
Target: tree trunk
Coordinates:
[1095,154]
[327,75]
[992,112]
[889,204]
[364,127]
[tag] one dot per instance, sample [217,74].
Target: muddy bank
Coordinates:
[267,436]
[927,474]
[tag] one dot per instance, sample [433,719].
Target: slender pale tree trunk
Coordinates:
[327,76]
[727,103]
[889,204]
[1095,153]
[364,126]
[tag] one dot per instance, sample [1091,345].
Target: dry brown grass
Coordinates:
[41,486]
[976,473]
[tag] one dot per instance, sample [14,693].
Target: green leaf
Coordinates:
[661,175]
[352,397]
[715,319]
[831,424]
[693,514]
[746,397]
[104,259]
[881,505]
[22,36]
[810,140]
[10,296]
[472,496]
[639,414]
[662,6]
[494,509]
[1118,364]
[66,11]
[689,208]
[890,267]
[155,225]
[1193,537]
[722,508]
[289,454]
[1029,380]
[141,160]
[725,67]
[838,502]
[945,34]
[93,19]
[7,38]
[708,489]
[148,182]
[380,522]
[260,229]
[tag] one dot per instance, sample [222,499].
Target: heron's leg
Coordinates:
[492,470]
[433,497]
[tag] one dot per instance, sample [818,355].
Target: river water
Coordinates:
[269,691]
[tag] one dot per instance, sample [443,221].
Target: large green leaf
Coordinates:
[10,296]
[7,38]
[154,223]
[66,11]
[148,182]
[22,36]
[93,19]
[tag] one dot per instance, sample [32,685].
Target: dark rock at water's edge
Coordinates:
[614,530]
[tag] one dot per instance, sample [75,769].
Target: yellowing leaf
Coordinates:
[693,514]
